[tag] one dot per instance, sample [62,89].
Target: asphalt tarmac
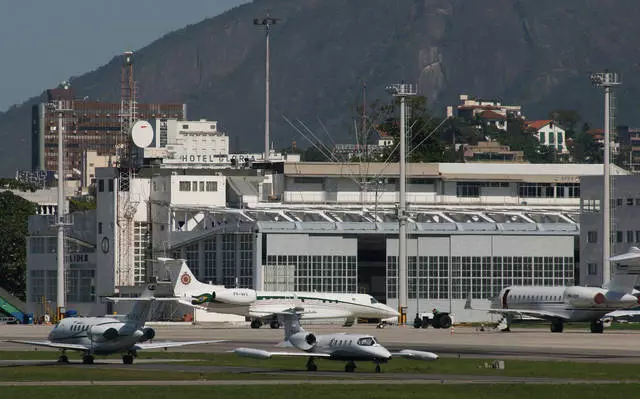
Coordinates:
[575,345]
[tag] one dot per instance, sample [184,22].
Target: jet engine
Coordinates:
[104,333]
[585,296]
[147,334]
[236,296]
[303,340]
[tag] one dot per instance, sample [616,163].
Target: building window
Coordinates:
[552,139]
[141,251]
[201,186]
[194,186]
[592,269]
[110,185]
[560,139]
[535,190]
[619,201]
[629,201]
[590,206]
[185,126]
[618,236]
[468,189]
[212,186]
[101,185]
[629,236]
[592,237]
[185,186]
[99,227]
[637,235]
[37,245]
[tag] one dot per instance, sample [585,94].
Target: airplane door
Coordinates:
[504,299]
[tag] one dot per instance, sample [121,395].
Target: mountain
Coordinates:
[535,53]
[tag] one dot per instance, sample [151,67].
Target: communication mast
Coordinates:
[607,80]
[403,91]
[126,208]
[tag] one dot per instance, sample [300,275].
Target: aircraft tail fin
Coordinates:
[291,319]
[141,307]
[185,284]
[622,282]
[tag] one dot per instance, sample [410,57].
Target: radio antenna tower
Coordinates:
[607,80]
[403,91]
[125,208]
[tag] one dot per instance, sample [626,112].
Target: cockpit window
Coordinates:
[373,301]
[366,341]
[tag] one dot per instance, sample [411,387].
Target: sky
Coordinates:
[46,42]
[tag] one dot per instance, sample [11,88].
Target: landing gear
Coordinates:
[350,367]
[378,369]
[311,365]
[128,358]
[256,323]
[557,326]
[63,358]
[87,359]
[597,327]
[274,324]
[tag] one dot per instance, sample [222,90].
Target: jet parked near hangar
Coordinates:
[106,335]
[339,346]
[561,304]
[264,306]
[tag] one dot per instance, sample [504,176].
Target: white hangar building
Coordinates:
[473,229]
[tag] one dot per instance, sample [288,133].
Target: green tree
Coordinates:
[424,142]
[82,204]
[567,118]
[584,149]
[14,215]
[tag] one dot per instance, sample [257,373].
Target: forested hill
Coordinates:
[535,53]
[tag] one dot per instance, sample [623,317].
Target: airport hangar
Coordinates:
[473,229]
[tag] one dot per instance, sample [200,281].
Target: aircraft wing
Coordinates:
[170,344]
[540,314]
[262,354]
[309,312]
[414,354]
[55,345]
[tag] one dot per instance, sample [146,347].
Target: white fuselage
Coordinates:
[573,303]
[91,332]
[343,346]
[316,305]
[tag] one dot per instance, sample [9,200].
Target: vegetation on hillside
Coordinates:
[14,215]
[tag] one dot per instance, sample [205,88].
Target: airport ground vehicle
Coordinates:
[435,318]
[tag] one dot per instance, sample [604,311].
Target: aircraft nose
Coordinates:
[389,311]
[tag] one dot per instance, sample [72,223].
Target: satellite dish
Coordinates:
[142,134]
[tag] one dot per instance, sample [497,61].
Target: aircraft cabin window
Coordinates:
[367,341]
[373,301]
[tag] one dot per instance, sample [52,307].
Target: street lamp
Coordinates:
[606,80]
[266,22]
[403,91]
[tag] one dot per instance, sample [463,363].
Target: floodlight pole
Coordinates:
[606,80]
[267,22]
[402,90]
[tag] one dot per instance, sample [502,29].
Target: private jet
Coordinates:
[264,306]
[110,334]
[339,346]
[561,304]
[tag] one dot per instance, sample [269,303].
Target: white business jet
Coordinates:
[110,334]
[339,346]
[560,304]
[263,306]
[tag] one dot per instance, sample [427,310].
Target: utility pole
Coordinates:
[266,22]
[606,80]
[403,91]
[60,220]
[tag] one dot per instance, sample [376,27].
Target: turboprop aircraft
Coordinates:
[110,334]
[339,346]
[562,304]
[265,305]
